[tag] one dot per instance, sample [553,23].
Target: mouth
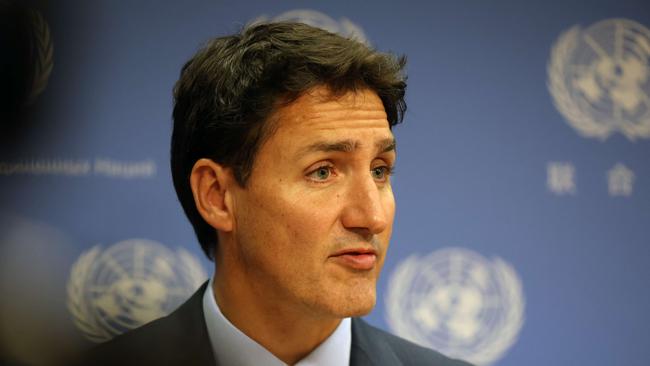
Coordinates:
[361,259]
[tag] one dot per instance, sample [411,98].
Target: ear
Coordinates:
[211,186]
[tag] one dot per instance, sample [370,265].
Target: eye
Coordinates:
[381,172]
[321,173]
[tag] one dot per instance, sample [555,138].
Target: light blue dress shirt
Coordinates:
[232,347]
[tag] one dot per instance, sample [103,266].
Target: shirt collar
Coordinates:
[232,347]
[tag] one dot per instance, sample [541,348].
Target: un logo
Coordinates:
[458,302]
[129,284]
[344,26]
[599,78]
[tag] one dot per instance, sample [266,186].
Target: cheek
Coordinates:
[306,227]
[305,208]
[283,220]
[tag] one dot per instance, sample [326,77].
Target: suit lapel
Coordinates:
[369,348]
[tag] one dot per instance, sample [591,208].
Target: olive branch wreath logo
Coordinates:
[42,54]
[577,115]
[495,341]
[82,273]
[81,315]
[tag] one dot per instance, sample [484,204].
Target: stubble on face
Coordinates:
[288,225]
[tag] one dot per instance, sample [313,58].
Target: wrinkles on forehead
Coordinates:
[319,122]
[322,109]
[346,145]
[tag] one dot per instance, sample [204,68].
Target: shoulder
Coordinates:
[177,339]
[374,340]
[143,344]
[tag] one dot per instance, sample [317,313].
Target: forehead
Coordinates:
[318,112]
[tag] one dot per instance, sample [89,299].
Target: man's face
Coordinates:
[313,224]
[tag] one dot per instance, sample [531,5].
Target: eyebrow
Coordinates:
[347,146]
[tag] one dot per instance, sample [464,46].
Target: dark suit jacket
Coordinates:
[181,338]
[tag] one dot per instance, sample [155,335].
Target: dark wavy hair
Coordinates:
[228,90]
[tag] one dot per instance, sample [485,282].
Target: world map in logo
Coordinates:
[458,302]
[599,78]
[129,284]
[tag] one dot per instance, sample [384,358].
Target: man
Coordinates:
[281,157]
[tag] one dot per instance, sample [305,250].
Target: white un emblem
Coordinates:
[129,284]
[599,78]
[458,302]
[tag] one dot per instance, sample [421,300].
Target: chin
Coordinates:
[351,297]
[358,311]
[357,303]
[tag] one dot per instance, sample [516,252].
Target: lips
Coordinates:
[362,259]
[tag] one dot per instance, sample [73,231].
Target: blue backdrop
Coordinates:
[522,179]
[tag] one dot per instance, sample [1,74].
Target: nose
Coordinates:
[367,207]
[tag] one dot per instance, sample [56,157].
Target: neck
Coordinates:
[288,332]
